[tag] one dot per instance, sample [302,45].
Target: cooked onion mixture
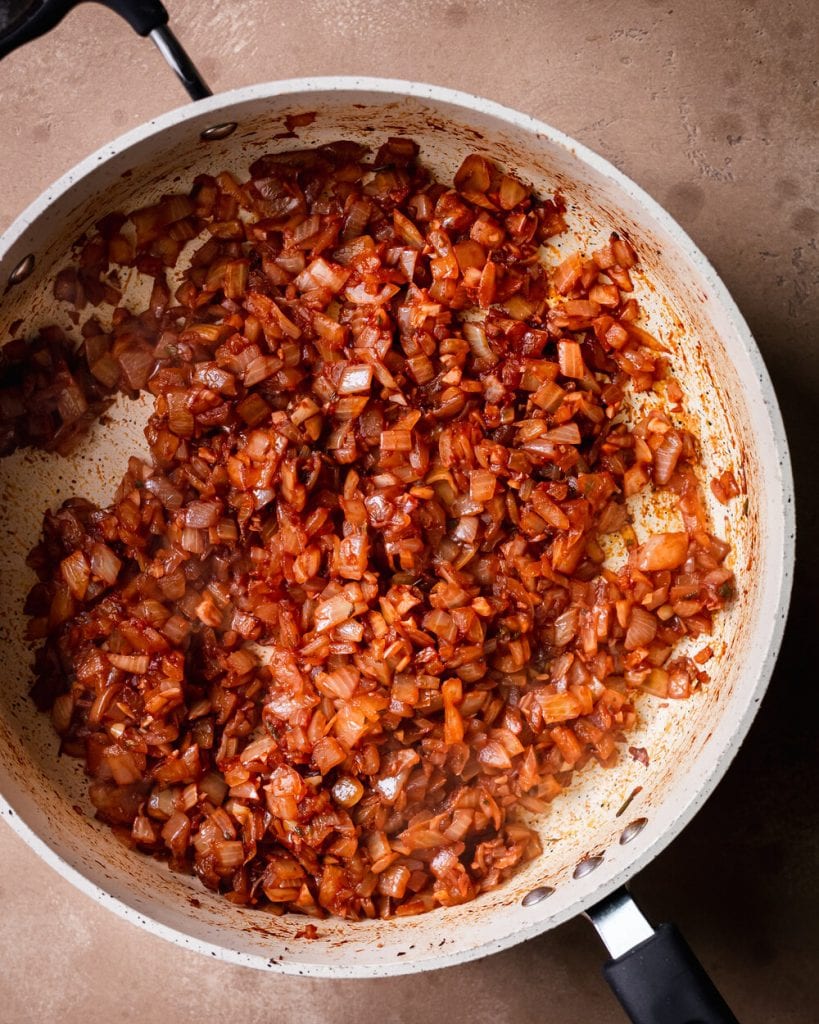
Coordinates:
[353,623]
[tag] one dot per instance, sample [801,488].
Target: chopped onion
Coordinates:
[396,440]
[642,629]
[662,551]
[511,192]
[136,663]
[567,433]
[76,573]
[352,619]
[201,514]
[333,612]
[481,485]
[571,360]
[666,457]
[104,563]
[407,231]
[355,377]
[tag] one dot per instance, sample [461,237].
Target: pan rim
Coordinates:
[622,183]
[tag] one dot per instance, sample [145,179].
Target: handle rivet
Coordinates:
[218,131]
[586,866]
[536,895]
[22,270]
[632,830]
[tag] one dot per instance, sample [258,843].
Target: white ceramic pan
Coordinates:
[591,848]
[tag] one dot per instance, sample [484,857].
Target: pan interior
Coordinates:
[685,740]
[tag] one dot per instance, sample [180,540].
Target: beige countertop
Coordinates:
[713,109]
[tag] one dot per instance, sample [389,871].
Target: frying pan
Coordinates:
[610,823]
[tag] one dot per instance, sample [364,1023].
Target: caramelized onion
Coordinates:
[352,617]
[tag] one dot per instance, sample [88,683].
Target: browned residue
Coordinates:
[639,754]
[294,121]
[624,806]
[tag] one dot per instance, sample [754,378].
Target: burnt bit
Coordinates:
[627,801]
[639,754]
[294,121]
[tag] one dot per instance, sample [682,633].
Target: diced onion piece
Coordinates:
[642,628]
[327,753]
[475,334]
[104,563]
[481,485]
[662,551]
[361,295]
[568,273]
[473,174]
[549,396]
[565,627]
[406,230]
[76,573]
[260,369]
[493,755]
[355,378]
[452,693]
[229,854]
[236,277]
[333,612]
[581,308]
[396,440]
[202,514]
[135,663]
[511,192]
[571,360]
[560,707]
[566,433]
[666,457]
[605,294]
[623,252]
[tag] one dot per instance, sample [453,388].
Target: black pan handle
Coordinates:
[654,973]
[24,20]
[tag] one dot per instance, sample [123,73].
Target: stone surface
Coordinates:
[713,109]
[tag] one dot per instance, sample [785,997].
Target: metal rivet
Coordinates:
[22,270]
[586,866]
[536,895]
[632,830]
[218,131]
